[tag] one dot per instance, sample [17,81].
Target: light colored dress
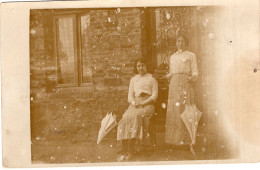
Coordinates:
[136,120]
[182,65]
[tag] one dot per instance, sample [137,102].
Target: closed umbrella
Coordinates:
[191,117]
[107,124]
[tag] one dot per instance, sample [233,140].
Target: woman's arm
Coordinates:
[131,94]
[194,69]
[169,75]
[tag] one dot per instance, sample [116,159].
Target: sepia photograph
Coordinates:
[125,84]
[131,84]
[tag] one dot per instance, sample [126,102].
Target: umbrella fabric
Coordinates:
[190,118]
[197,115]
[107,124]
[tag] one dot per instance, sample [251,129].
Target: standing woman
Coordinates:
[143,92]
[183,70]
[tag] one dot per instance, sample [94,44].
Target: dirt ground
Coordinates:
[70,151]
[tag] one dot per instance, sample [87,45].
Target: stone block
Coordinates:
[113,81]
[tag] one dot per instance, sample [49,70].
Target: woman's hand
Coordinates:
[133,103]
[168,76]
[137,104]
[191,78]
[141,104]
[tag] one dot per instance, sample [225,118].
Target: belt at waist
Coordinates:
[181,73]
[143,94]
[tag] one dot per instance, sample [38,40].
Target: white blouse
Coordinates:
[143,84]
[184,62]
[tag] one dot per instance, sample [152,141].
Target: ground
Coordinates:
[76,151]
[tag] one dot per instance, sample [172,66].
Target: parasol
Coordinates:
[191,117]
[107,124]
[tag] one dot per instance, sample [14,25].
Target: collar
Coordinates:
[144,75]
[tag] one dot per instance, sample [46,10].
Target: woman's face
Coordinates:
[180,43]
[141,68]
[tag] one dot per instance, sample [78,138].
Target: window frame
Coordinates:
[80,71]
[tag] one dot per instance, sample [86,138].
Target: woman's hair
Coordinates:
[184,38]
[146,62]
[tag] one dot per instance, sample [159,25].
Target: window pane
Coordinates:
[66,50]
[86,71]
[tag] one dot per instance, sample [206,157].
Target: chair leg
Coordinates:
[131,146]
[152,130]
[124,146]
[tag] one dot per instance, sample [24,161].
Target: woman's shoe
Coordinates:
[129,156]
[121,158]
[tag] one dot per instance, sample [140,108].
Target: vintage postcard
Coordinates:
[90,83]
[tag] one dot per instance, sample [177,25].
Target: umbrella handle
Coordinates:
[192,150]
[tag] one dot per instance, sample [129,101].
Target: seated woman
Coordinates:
[143,92]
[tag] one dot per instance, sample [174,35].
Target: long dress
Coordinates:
[182,65]
[135,121]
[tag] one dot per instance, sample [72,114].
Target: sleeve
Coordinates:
[170,64]
[194,69]
[154,90]
[131,92]
[169,69]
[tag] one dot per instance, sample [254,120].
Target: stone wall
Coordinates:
[76,112]
[116,38]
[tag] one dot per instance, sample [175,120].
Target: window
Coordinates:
[72,50]
[97,46]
